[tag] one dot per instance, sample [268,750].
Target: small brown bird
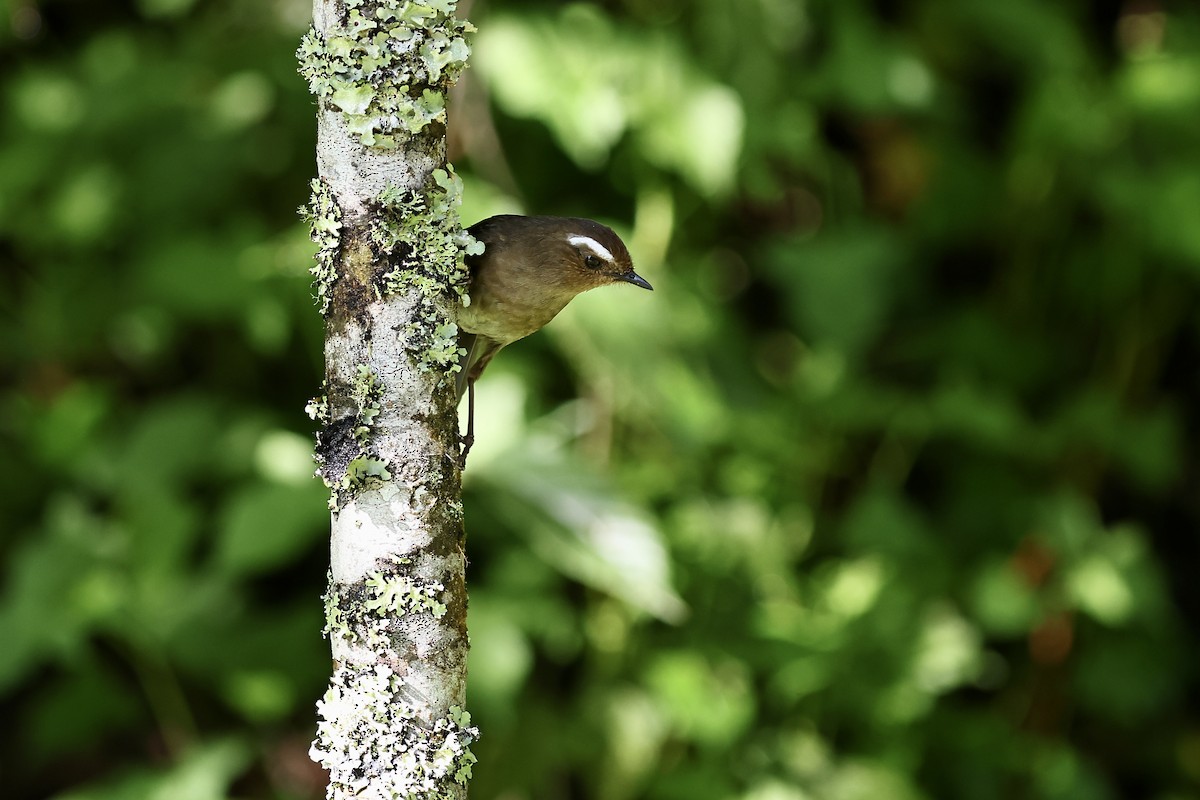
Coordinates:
[529,270]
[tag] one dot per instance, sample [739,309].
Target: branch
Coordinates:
[384,213]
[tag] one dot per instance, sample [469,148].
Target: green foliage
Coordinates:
[887,491]
[591,82]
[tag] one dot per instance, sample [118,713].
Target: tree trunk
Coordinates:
[384,212]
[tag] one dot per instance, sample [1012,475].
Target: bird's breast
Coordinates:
[503,320]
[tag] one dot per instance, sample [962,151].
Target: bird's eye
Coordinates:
[591,262]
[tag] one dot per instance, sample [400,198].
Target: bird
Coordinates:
[530,268]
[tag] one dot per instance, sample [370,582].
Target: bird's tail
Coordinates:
[478,353]
[466,345]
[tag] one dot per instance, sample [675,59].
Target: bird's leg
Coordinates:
[469,438]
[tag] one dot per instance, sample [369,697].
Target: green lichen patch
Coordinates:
[365,392]
[318,407]
[325,226]
[391,594]
[365,613]
[336,612]
[345,465]
[387,66]
[426,247]
[362,473]
[368,735]
[345,460]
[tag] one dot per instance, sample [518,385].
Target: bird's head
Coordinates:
[528,270]
[559,257]
[593,255]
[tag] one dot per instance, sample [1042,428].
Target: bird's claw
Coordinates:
[466,442]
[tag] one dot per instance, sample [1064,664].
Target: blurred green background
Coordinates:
[888,491]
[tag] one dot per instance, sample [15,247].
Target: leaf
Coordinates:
[204,773]
[581,528]
[263,527]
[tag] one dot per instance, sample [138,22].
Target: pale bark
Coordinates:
[392,723]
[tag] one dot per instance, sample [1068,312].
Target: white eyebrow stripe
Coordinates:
[593,245]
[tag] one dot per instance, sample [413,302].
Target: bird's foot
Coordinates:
[466,442]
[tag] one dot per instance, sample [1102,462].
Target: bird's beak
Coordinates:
[635,279]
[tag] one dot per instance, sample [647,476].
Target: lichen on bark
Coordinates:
[325,227]
[376,744]
[427,245]
[387,66]
[390,269]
